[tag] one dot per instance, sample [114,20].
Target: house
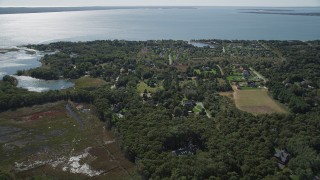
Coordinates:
[120,115]
[79,107]
[191,103]
[86,110]
[283,157]
[252,84]
[182,151]
[180,77]
[190,150]
[206,68]
[116,108]
[246,74]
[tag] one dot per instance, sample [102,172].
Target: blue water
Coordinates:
[144,24]
[38,85]
[12,61]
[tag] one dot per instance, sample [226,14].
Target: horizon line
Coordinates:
[158,6]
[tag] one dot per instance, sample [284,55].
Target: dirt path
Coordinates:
[109,140]
[258,74]
[234,88]
[170,59]
[207,113]
[70,111]
[221,70]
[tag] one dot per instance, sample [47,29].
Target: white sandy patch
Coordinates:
[71,165]
[74,165]
[109,142]
[24,166]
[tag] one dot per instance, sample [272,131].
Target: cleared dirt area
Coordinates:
[256,101]
[182,67]
[46,141]
[226,94]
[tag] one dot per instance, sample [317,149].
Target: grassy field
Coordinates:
[248,88]
[88,82]
[184,82]
[212,71]
[197,109]
[257,102]
[41,141]
[142,86]
[234,78]
[198,71]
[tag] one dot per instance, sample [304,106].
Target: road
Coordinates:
[70,111]
[258,74]
[275,51]
[221,70]
[170,59]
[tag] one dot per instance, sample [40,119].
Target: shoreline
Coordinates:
[283,13]
[27,10]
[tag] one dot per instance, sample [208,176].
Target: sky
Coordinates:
[269,3]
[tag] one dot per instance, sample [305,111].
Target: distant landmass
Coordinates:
[275,10]
[294,14]
[19,10]
[280,12]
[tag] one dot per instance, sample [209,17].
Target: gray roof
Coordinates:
[282,155]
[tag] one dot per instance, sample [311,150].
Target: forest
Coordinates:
[162,100]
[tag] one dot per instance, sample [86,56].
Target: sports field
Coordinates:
[256,102]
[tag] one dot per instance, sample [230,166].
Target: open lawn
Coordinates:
[248,88]
[46,140]
[258,74]
[184,82]
[142,86]
[197,109]
[256,102]
[198,71]
[212,71]
[234,78]
[88,82]
[237,74]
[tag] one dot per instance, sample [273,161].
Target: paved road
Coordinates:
[70,111]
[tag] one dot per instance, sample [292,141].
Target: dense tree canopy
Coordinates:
[152,104]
